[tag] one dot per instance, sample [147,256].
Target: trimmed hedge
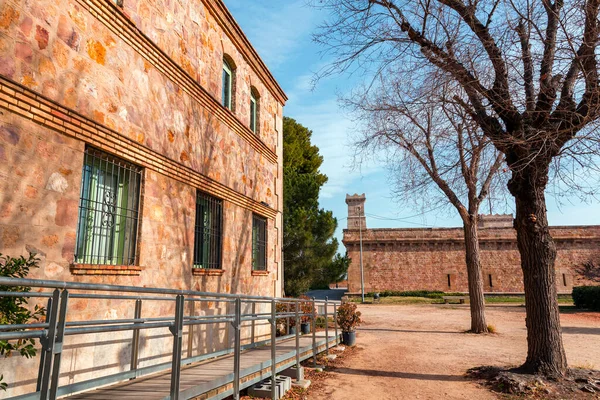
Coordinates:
[587,297]
[430,294]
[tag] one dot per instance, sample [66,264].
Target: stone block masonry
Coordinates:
[140,82]
[434,258]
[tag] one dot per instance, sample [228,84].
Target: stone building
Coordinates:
[434,258]
[140,144]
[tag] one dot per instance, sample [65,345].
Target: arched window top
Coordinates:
[228,82]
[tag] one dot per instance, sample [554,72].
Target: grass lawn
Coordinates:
[567,300]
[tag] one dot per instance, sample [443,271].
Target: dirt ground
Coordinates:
[421,352]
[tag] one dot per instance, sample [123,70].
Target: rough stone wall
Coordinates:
[426,259]
[157,107]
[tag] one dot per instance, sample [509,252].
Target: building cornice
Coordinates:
[227,22]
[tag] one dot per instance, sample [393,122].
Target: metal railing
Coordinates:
[56,326]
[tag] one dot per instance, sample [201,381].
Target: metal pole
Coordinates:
[48,345]
[58,343]
[237,348]
[326,326]
[297,342]
[177,331]
[190,346]
[362,275]
[337,338]
[253,322]
[135,341]
[274,394]
[287,319]
[43,351]
[314,332]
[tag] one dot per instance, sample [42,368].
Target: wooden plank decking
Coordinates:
[212,379]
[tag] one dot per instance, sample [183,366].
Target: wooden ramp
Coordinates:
[212,379]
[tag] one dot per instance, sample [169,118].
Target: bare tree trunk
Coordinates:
[475,277]
[545,351]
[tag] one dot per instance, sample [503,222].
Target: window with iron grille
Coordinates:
[259,243]
[108,210]
[208,232]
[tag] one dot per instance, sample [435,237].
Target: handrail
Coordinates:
[52,331]
[44,283]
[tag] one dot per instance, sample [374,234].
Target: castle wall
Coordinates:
[434,259]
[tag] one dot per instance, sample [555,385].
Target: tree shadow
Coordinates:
[401,375]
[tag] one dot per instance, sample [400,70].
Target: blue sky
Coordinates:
[281,33]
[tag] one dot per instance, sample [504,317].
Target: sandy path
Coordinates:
[419,352]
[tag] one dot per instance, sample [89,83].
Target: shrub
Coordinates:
[587,297]
[348,318]
[306,307]
[13,310]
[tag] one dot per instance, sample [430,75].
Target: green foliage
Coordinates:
[308,243]
[348,318]
[13,310]
[587,297]
[333,272]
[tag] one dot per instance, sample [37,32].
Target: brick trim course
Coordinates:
[28,104]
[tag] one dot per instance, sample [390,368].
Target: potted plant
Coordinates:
[307,309]
[348,318]
[283,323]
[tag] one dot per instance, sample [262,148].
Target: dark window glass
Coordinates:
[108,210]
[259,243]
[208,232]
[227,79]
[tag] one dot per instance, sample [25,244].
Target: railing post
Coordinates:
[135,340]
[326,326]
[337,338]
[297,341]
[253,322]
[190,345]
[287,319]
[43,350]
[58,343]
[314,332]
[274,350]
[48,345]
[237,343]
[177,331]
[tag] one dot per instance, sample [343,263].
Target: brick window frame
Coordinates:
[207,257]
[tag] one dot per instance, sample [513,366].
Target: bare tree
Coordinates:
[528,76]
[437,154]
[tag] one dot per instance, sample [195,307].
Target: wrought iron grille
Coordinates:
[259,243]
[208,232]
[108,210]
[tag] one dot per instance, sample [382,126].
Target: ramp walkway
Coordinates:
[212,379]
[204,376]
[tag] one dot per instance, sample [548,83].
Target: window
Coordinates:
[253,113]
[227,84]
[490,280]
[254,110]
[119,3]
[564,276]
[449,281]
[208,232]
[259,243]
[108,210]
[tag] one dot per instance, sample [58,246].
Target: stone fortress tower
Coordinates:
[356,211]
